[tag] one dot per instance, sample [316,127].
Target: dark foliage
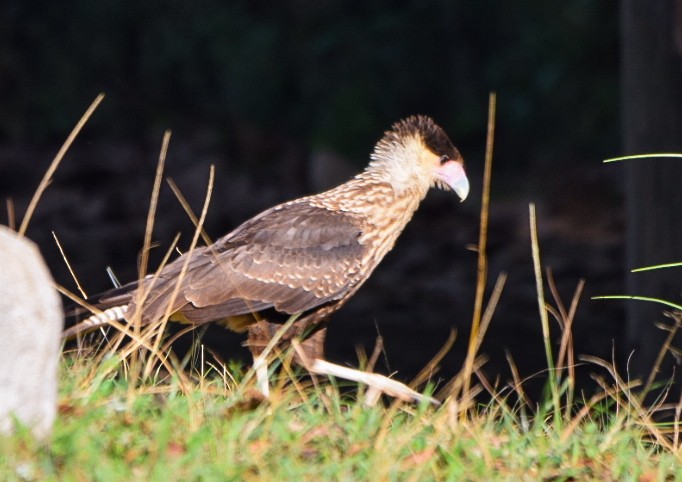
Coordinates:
[329,73]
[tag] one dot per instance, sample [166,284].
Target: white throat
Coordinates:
[398,164]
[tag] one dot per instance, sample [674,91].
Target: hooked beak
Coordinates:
[452,173]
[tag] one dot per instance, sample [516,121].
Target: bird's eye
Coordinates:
[444,159]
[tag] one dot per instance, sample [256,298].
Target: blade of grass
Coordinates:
[47,178]
[642,156]
[68,266]
[185,205]
[634,403]
[565,360]
[490,308]
[676,425]
[376,353]
[482,257]
[517,387]
[151,213]
[428,370]
[136,322]
[657,266]
[639,298]
[270,347]
[11,215]
[544,319]
[113,278]
[672,331]
[183,270]
[566,348]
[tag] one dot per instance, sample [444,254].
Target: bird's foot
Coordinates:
[376,383]
[260,366]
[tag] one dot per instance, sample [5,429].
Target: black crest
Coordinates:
[434,137]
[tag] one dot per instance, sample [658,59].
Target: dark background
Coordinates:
[288,98]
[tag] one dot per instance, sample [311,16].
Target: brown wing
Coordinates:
[293,257]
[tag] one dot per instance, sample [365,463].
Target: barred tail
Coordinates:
[115,313]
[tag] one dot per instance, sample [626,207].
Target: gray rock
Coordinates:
[31,321]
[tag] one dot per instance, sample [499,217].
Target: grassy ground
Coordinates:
[194,426]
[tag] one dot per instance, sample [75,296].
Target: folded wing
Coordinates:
[294,257]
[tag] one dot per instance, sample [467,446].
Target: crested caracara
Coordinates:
[304,257]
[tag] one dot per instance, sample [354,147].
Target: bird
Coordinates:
[306,258]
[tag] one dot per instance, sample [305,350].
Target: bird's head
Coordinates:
[417,154]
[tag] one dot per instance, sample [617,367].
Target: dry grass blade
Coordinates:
[566,347]
[482,257]
[68,266]
[136,322]
[77,299]
[500,401]
[563,314]
[151,213]
[376,353]
[195,238]
[667,345]
[271,346]
[150,285]
[455,385]
[566,357]
[490,308]
[524,401]
[185,205]
[665,348]
[537,268]
[176,336]
[676,426]
[47,178]
[635,404]
[11,216]
[137,342]
[463,375]
[431,367]
[293,379]
[586,410]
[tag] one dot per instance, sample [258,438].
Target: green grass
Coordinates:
[213,428]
